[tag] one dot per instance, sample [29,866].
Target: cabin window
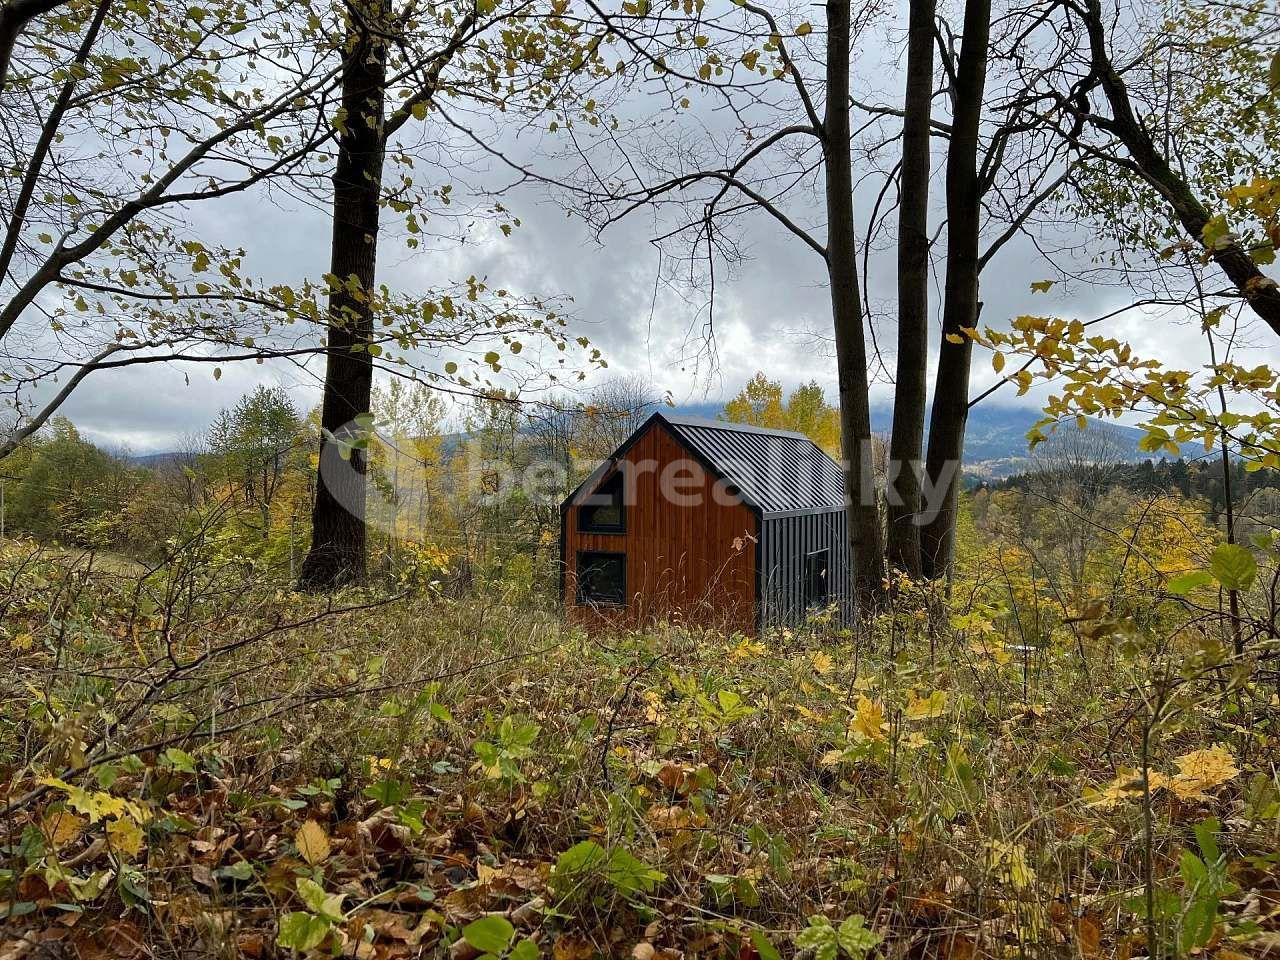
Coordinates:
[602,511]
[817,587]
[602,578]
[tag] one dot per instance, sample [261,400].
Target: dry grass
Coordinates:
[753,783]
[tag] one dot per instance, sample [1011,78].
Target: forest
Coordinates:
[334,335]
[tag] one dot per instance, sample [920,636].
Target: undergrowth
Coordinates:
[204,766]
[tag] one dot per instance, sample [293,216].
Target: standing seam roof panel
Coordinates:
[776,470]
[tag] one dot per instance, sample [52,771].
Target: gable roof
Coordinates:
[775,471]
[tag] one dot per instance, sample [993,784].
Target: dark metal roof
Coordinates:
[776,470]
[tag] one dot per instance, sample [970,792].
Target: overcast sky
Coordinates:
[761,309]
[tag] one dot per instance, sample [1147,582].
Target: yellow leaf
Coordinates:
[822,662]
[804,29]
[125,837]
[997,361]
[954,338]
[992,651]
[312,842]
[1202,770]
[1009,862]
[62,826]
[1126,786]
[868,719]
[927,708]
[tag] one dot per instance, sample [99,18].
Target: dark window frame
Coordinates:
[823,575]
[614,486]
[585,558]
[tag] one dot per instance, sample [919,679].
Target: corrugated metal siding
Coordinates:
[784,544]
[776,471]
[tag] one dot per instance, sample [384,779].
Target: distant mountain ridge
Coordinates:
[995,440]
[995,444]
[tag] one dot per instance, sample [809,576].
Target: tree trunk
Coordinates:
[338,535]
[960,295]
[909,395]
[846,308]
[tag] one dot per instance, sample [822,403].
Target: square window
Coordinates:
[602,511]
[817,587]
[602,578]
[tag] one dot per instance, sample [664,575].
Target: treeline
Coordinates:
[1252,492]
[459,496]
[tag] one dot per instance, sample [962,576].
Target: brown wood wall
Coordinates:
[691,563]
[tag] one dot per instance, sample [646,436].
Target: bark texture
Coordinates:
[338,535]
[910,389]
[960,305]
[846,308]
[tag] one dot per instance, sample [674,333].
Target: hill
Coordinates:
[996,438]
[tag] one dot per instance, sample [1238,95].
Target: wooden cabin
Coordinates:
[706,522]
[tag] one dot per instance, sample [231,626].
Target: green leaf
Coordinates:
[302,931]
[763,947]
[1181,586]
[388,792]
[1206,832]
[1233,566]
[240,870]
[1197,924]
[326,905]
[180,760]
[854,937]
[1216,233]
[489,934]
[1192,869]
[524,950]
[584,856]
[631,875]
[818,936]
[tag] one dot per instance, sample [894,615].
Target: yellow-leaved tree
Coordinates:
[805,410]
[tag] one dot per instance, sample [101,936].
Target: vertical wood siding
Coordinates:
[692,563]
[784,544]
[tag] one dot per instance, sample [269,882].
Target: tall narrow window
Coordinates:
[602,511]
[817,586]
[602,578]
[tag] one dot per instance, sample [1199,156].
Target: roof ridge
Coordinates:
[733,426]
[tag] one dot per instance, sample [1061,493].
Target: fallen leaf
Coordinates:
[312,842]
[1088,937]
